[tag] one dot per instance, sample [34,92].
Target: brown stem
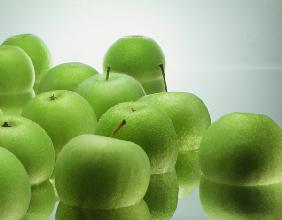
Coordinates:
[108,73]
[6,125]
[119,127]
[163,73]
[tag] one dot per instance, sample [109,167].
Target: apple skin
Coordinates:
[140,57]
[102,94]
[65,76]
[139,211]
[146,126]
[242,149]
[31,145]
[99,172]
[188,172]
[162,195]
[222,202]
[14,187]
[36,49]
[63,117]
[42,202]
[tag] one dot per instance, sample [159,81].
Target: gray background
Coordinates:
[227,52]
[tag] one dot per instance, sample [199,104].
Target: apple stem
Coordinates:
[52,97]
[119,127]
[163,72]
[133,110]
[108,73]
[6,125]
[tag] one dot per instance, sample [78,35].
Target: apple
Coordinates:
[36,50]
[188,172]
[162,195]
[146,126]
[222,202]
[16,79]
[140,57]
[98,172]
[104,92]
[63,114]
[14,187]
[66,76]
[242,149]
[42,202]
[139,211]
[31,145]
[190,118]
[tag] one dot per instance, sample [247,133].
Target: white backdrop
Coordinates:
[227,52]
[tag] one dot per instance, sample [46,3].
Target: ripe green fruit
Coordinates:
[188,113]
[188,172]
[162,195]
[63,114]
[243,150]
[36,49]
[30,144]
[66,76]
[146,126]
[222,202]
[14,187]
[140,57]
[16,79]
[105,92]
[42,202]
[101,173]
[136,212]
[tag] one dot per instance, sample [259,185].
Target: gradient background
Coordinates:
[227,52]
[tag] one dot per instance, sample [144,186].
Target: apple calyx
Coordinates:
[163,73]
[108,73]
[123,122]
[52,97]
[133,110]
[6,125]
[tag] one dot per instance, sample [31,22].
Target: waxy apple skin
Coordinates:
[36,49]
[16,79]
[162,195]
[139,211]
[243,150]
[14,187]
[31,145]
[65,76]
[42,202]
[99,172]
[104,93]
[63,114]
[146,126]
[222,202]
[140,57]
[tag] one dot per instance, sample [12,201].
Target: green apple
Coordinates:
[63,114]
[31,145]
[222,202]
[98,172]
[16,79]
[162,195]
[188,113]
[146,126]
[139,211]
[36,50]
[188,172]
[242,149]
[66,76]
[14,187]
[140,57]
[42,202]
[104,92]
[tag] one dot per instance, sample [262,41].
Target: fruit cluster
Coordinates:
[119,146]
